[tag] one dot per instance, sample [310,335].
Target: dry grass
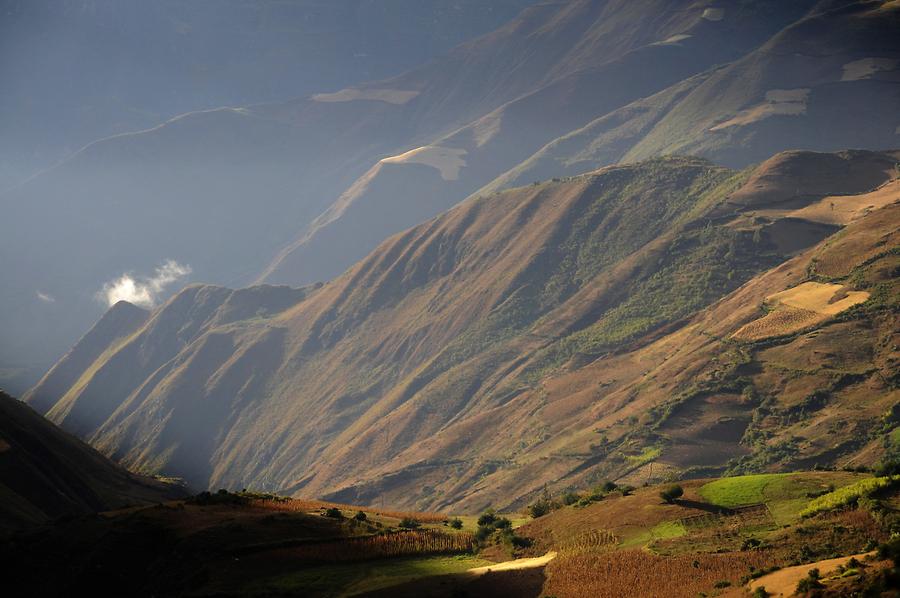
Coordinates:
[781,321]
[638,573]
[843,209]
[390,545]
[800,307]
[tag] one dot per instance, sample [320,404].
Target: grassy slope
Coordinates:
[499,389]
[687,559]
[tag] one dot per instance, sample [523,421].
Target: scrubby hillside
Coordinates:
[295,192]
[46,473]
[555,333]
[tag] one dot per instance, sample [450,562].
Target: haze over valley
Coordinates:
[374,295]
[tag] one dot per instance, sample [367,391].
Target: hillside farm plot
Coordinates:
[801,307]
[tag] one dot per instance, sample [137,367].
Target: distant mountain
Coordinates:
[296,192]
[613,57]
[127,65]
[46,473]
[826,82]
[670,311]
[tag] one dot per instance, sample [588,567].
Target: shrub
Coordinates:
[334,513]
[810,582]
[487,518]
[760,592]
[626,490]
[671,493]
[722,583]
[570,498]
[360,516]
[539,509]
[456,523]
[409,523]
[503,523]
[608,486]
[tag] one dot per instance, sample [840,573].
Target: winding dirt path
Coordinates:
[529,563]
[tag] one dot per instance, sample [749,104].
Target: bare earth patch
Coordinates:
[391,96]
[843,209]
[447,160]
[784,581]
[779,102]
[803,306]
[865,68]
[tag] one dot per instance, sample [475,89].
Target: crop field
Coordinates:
[638,573]
[803,306]
[786,495]
[843,209]
[824,298]
[848,495]
[388,545]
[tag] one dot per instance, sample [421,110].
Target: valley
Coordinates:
[550,298]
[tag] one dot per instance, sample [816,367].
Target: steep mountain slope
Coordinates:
[434,371]
[402,190]
[223,190]
[826,82]
[46,473]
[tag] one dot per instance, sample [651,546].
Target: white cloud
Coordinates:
[45,297]
[143,291]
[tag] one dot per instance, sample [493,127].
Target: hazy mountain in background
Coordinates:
[206,182]
[825,82]
[557,333]
[79,70]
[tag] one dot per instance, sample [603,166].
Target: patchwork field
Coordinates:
[801,307]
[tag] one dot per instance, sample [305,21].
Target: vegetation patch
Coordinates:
[849,495]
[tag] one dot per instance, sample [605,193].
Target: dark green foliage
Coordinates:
[608,486]
[456,523]
[360,516]
[760,592]
[334,513]
[810,582]
[722,583]
[570,498]
[539,509]
[409,523]
[487,518]
[671,493]
[503,523]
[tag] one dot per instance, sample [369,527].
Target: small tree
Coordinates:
[539,509]
[570,498]
[456,523]
[503,523]
[334,513]
[409,523]
[360,516]
[487,518]
[671,493]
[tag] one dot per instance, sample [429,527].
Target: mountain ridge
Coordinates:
[460,312]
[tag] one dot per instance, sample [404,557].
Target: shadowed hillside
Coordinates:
[556,332]
[46,473]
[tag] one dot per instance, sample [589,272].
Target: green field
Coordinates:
[786,494]
[353,578]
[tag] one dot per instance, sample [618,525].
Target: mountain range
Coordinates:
[296,192]
[608,240]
